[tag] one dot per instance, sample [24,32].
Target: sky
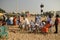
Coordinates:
[29,5]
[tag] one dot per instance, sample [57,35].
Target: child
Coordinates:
[31,25]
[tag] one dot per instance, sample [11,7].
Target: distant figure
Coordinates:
[49,18]
[4,19]
[14,21]
[32,25]
[8,21]
[26,22]
[37,19]
[18,19]
[56,24]
[11,20]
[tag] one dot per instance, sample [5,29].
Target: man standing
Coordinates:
[27,23]
[56,24]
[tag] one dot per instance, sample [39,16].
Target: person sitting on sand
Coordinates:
[42,24]
[3,30]
[46,27]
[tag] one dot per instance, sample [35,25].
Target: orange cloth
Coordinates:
[47,25]
[45,28]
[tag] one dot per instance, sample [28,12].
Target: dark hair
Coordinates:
[3,23]
[57,15]
[49,16]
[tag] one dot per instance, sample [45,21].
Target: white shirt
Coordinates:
[11,19]
[27,21]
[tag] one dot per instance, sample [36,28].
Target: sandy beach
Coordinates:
[31,36]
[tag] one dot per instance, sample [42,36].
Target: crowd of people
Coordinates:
[36,25]
[32,25]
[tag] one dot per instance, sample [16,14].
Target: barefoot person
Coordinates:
[56,24]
